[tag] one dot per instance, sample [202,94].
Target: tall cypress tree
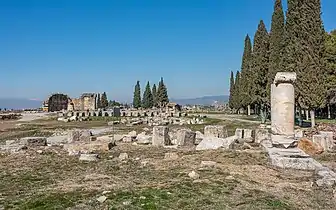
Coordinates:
[98,101]
[260,67]
[247,81]
[276,46]
[330,62]
[103,100]
[162,95]
[312,37]
[232,84]
[137,96]
[147,99]
[154,91]
[236,94]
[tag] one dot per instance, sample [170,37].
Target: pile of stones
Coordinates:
[10,116]
[73,119]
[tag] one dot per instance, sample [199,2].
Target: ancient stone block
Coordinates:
[88,157]
[218,131]
[298,134]
[186,138]
[309,147]
[160,136]
[34,141]
[247,133]
[79,135]
[329,138]
[285,77]
[239,133]
[261,134]
[171,156]
[87,147]
[210,143]
[321,140]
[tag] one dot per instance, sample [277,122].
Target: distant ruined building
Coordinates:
[58,102]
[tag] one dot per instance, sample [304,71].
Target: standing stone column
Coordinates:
[282,109]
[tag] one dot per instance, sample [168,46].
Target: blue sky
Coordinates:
[75,46]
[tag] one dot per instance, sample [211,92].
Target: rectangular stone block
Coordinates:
[186,138]
[247,133]
[321,140]
[218,131]
[298,134]
[329,138]
[239,133]
[34,141]
[160,136]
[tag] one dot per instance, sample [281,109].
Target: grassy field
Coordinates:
[240,180]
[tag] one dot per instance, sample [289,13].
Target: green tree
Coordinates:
[113,103]
[236,96]
[98,101]
[137,96]
[260,67]
[330,62]
[247,81]
[232,84]
[154,92]
[147,99]
[162,95]
[276,45]
[103,100]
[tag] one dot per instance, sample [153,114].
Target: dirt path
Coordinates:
[231,118]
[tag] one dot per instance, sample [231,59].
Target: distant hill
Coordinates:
[205,100]
[19,103]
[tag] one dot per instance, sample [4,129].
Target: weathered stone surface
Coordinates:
[128,138]
[123,156]
[57,140]
[34,141]
[321,140]
[160,136]
[208,164]
[298,134]
[292,158]
[285,77]
[218,131]
[142,138]
[326,177]
[199,137]
[261,134]
[239,133]
[209,143]
[186,138]
[79,135]
[194,175]
[329,138]
[284,141]
[248,133]
[171,156]
[87,147]
[309,147]
[89,157]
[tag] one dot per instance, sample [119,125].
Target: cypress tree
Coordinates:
[232,84]
[312,37]
[236,94]
[154,91]
[260,67]
[247,81]
[276,44]
[137,96]
[162,95]
[98,101]
[104,101]
[330,62]
[147,99]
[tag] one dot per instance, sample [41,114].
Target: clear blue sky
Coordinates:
[76,46]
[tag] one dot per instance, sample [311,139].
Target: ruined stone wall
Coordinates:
[77,103]
[89,103]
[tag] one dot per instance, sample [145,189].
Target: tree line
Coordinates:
[152,97]
[297,42]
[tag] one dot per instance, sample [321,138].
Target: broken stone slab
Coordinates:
[292,158]
[261,134]
[143,139]
[321,140]
[57,140]
[199,137]
[309,147]
[298,134]
[329,138]
[247,133]
[34,141]
[213,143]
[89,157]
[79,135]
[128,138]
[326,177]
[87,147]
[218,131]
[285,77]
[160,136]
[13,148]
[132,133]
[186,138]
[284,141]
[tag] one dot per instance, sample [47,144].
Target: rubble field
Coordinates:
[57,167]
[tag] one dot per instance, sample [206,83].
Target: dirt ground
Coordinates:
[47,178]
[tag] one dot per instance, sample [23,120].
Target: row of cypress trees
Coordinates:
[102,101]
[155,97]
[297,43]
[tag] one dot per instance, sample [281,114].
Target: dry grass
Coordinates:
[54,180]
